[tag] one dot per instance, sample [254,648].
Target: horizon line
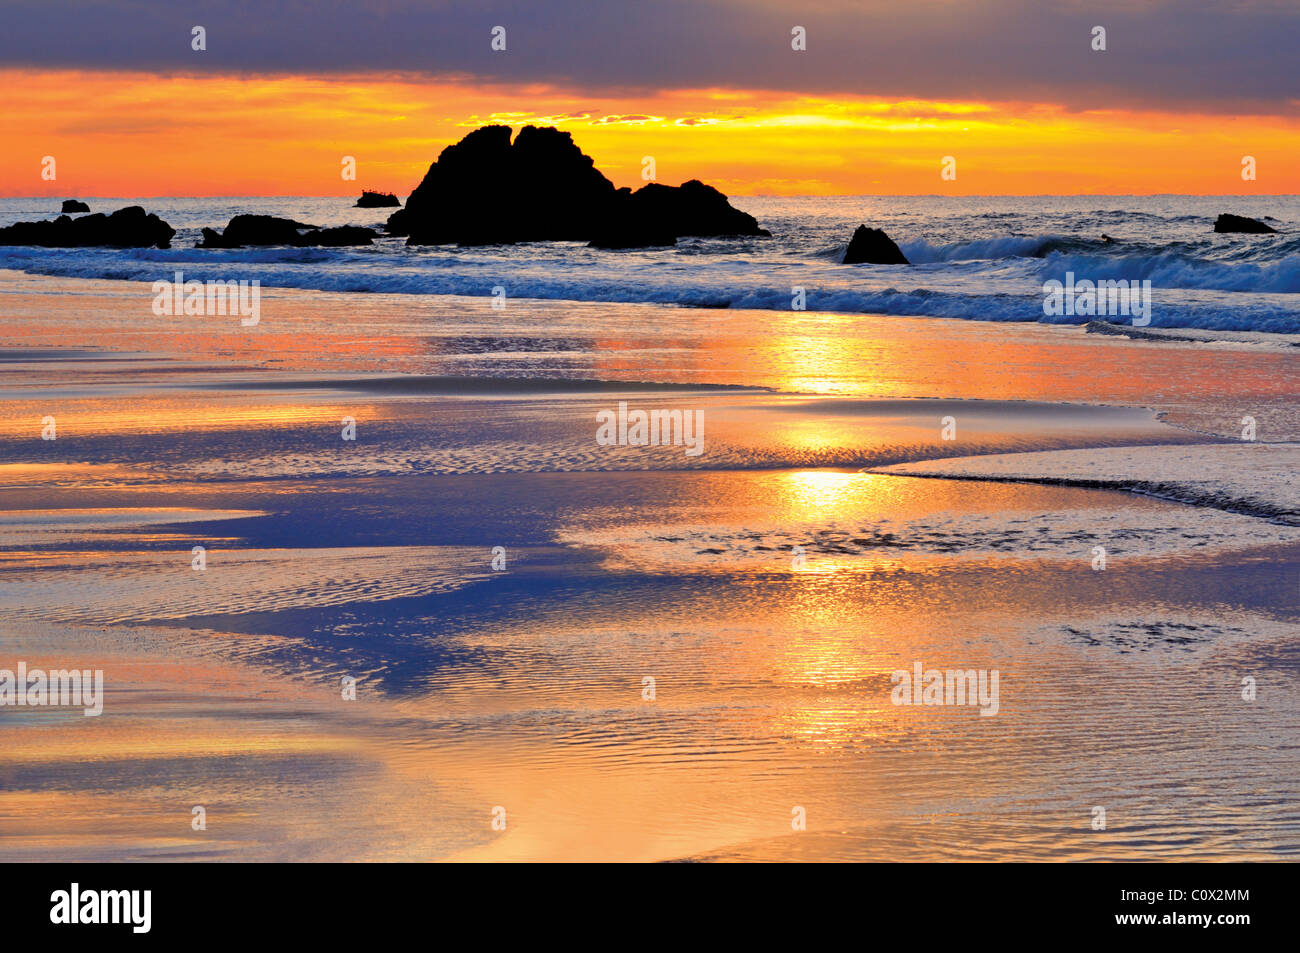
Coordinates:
[771,195]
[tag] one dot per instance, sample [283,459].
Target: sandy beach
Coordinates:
[501,585]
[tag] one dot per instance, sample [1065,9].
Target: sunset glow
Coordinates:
[135,134]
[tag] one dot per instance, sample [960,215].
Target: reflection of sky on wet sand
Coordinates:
[772,691]
[524,688]
[276,778]
[809,351]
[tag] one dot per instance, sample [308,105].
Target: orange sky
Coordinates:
[123,134]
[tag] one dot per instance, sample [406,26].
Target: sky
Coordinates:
[1011,90]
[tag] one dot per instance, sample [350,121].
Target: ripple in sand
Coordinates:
[108,588]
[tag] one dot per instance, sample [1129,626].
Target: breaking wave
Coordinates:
[1198,279]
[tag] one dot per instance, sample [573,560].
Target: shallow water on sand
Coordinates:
[1204,386]
[524,688]
[767,587]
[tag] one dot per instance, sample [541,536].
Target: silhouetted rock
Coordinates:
[128,227]
[654,213]
[486,189]
[254,230]
[73,207]
[1239,223]
[376,199]
[871,246]
[269,230]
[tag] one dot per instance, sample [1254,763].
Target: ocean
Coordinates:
[983,258]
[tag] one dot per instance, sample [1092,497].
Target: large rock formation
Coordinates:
[74,207]
[376,200]
[126,228]
[871,246]
[1239,223]
[269,230]
[486,189]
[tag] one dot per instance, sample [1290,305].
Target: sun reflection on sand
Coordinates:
[818,490]
[822,357]
[523,688]
[824,492]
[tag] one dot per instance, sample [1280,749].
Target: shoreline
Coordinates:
[522,687]
[1175,334]
[1207,338]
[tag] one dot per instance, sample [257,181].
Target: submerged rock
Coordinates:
[74,207]
[487,189]
[376,199]
[128,227]
[1239,223]
[871,246]
[269,230]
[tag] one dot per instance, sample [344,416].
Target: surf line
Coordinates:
[1106,298]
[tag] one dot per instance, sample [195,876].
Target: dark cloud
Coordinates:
[1220,55]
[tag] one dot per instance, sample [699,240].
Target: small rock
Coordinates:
[1239,223]
[269,230]
[871,246]
[376,200]
[128,227]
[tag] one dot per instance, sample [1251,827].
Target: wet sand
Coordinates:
[524,687]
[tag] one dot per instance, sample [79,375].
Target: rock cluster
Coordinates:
[269,230]
[488,189]
[128,227]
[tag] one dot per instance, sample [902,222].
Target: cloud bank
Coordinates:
[1207,57]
